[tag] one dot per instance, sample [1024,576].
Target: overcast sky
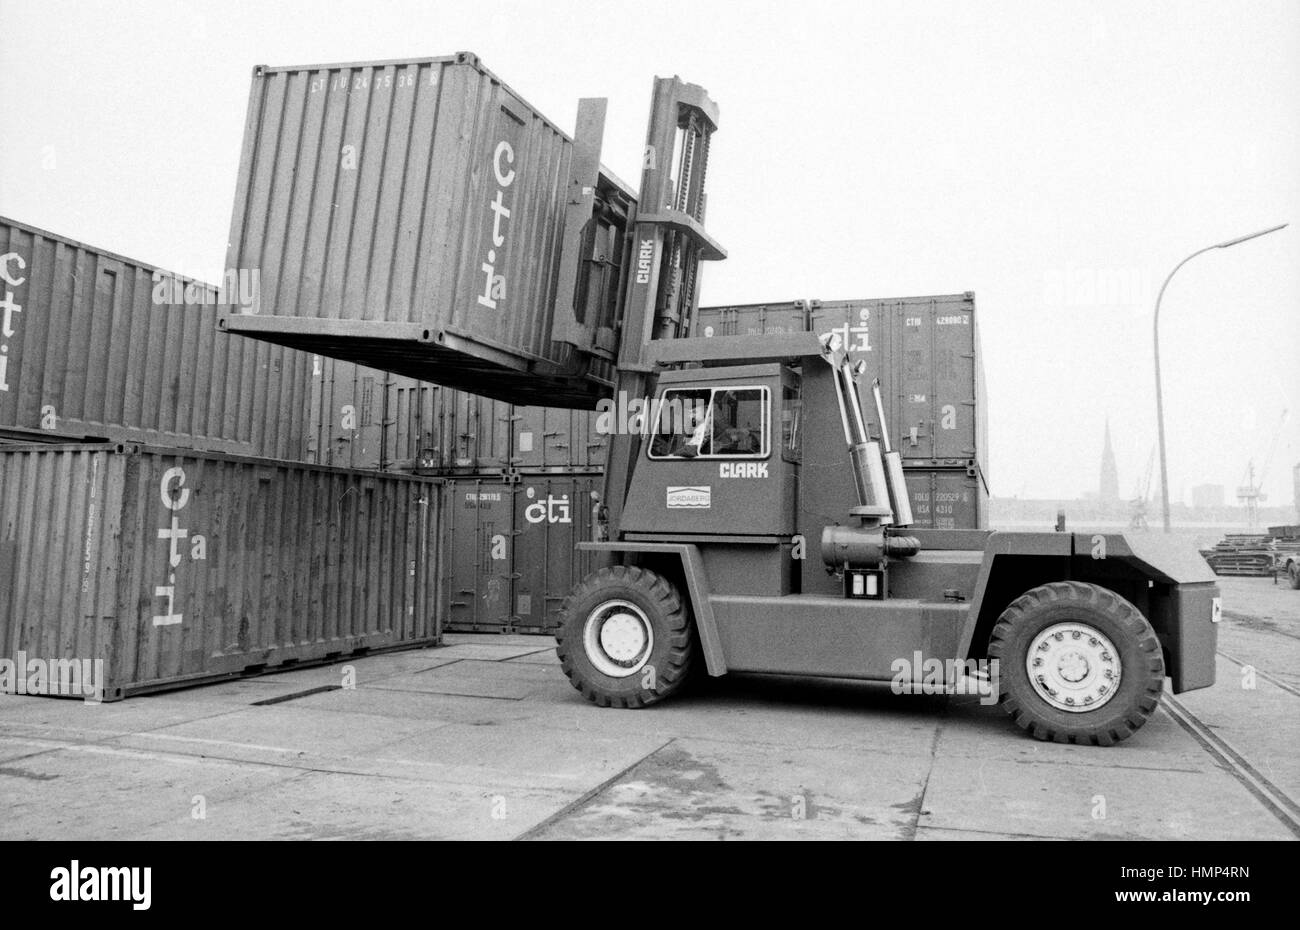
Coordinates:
[1057,159]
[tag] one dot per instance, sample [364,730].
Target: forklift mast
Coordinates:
[668,244]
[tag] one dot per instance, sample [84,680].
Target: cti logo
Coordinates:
[174,534]
[550,509]
[494,285]
[8,308]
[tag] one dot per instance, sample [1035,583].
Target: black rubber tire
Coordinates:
[671,655]
[1142,666]
[1293,570]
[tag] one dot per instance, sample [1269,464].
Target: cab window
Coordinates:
[724,422]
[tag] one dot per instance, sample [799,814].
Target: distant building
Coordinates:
[1109,490]
[1206,496]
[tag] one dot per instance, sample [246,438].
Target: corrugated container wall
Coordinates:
[512,556]
[423,199]
[751,319]
[473,434]
[948,498]
[924,351]
[556,439]
[364,418]
[94,345]
[174,567]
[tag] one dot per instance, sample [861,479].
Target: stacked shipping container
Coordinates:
[172,566]
[94,345]
[925,353]
[511,556]
[97,347]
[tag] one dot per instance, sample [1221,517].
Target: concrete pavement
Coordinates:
[485,739]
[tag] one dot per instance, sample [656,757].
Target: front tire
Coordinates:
[625,638]
[1077,663]
[1293,570]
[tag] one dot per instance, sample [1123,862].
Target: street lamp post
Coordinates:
[1160,401]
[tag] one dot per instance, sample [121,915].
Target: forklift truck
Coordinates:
[750,522]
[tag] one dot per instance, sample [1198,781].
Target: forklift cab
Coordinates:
[720,456]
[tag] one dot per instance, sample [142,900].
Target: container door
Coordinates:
[935,404]
[529,437]
[947,499]
[552,515]
[914,398]
[480,522]
[954,382]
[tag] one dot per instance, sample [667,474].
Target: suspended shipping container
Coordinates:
[94,345]
[512,555]
[409,216]
[173,567]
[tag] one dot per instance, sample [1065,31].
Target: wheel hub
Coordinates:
[1073,667]
[622,637]
[618,638]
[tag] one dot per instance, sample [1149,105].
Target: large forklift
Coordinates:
[752,523]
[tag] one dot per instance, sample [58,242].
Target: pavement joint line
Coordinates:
[1262,674]
[300,769]
[432,668]
[102,736]
[1026,836]
[294,695]
[909,830]
[587,796]
[1270,795]
[526,654]
[481,697]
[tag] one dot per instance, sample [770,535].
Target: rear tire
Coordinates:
[1293,570]
[1077,663]
[625,638]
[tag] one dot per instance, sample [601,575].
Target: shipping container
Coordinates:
[408,215]
[751,319]
[365,418]
[473,434]
[173,567]
[552,515]
[925,353]
[948,498]
[512,548]
[97,346]
[936,392]
[478,528]
[556,439]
